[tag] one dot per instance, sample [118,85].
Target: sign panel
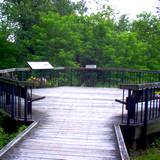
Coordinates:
[40,65]
[91,66]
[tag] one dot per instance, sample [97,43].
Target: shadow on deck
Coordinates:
[75,124]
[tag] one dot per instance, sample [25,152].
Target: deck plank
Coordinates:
[75,124]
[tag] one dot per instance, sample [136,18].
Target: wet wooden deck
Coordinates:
[75,124]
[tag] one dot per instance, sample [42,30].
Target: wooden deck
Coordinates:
[75,124]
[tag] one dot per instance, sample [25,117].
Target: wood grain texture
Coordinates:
[75,124]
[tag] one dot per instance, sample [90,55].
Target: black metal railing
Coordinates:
[60,76]
[140,103]
[110,77]
[15,98]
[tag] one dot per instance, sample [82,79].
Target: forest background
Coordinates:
[60,31]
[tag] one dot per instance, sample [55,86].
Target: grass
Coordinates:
[9,129]
[151,153]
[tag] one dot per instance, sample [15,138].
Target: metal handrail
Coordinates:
[82,68]
[15,98]
[140,86]
[16,82]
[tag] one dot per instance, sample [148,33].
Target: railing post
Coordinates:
[123,106]
[29,110]
[8,101]
[122,77]
[71,76]
[1,94]
[109,78]
[58,75]
[146,110]
[128,107]
[13,102]
[25,105]
[144,132]
[139,77]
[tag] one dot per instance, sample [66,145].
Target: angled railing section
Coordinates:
[16,98]
[140,103]
[121,143]
[140,112]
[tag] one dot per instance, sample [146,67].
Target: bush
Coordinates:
[150,154]
[9,129]
[4,138]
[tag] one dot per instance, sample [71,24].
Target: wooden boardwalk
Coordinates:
[75,124]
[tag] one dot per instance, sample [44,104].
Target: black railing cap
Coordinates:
[2,71]
[140,86]
[16,82]
[108,69]
[83,68]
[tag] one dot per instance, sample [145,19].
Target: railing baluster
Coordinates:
[142,103]
[128,101]
[26,104]
[123,105]
[13,104]
[11,93]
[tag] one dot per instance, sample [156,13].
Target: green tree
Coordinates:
[8,49]
[55,38]
[60,32]
[130,51]
[63,7]
[147,28]
[21,15]
[123,23]
[8,53]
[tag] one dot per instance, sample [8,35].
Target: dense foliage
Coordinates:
[151,153]
[59,31]
[9,129]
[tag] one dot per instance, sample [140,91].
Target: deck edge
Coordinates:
[121,144]
[18,138]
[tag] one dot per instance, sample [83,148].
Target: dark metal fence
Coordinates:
[110,77]
[15,98]
[140,103]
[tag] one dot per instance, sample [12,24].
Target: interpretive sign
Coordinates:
[91,66]
[39,65]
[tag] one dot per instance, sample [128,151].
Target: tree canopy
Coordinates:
[59,31]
